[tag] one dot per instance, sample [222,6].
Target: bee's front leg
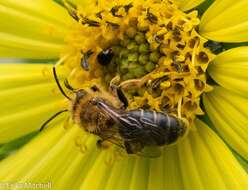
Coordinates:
[114,83]
[117,91]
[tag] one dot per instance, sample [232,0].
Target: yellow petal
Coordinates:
[230,68]
[28,97]
[214,150]
[82,2]
[165,172]
[35,28]
[186,5]
[202,161]
[226,21]
[229,114]
[30,47]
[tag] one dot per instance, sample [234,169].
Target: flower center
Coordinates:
[149,47]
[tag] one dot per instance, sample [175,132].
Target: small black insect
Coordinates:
[105,56]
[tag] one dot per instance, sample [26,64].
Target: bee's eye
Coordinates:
[105,56]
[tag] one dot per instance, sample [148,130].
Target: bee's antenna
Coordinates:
[57,81]
[51,118]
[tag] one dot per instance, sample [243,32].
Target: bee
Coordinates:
[101,113]
[140,128]
[83,113]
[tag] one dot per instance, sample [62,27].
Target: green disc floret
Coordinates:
[131,32]
[140,38]
[143,58]
[149,66]
[132,46]
[139,71]
[144,48]
[133,56]
[154,57]
[124,52]
[116,49]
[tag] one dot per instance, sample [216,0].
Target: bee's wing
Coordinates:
[150,152]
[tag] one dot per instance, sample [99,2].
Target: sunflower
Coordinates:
[166,57]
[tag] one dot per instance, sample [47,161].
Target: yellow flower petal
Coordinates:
[186,5]
[202,161]
[226,21]
[35,28]
[82,2]
[30,48]
[214,150]
[165,172]
[229,114]
[28,97]
[230,69]
[126,167]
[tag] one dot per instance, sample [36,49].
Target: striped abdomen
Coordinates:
[151,128]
